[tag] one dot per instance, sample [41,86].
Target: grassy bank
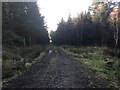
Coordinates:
[17,60]
[99,59]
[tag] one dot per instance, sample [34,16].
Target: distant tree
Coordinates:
[90,28]
[61,35]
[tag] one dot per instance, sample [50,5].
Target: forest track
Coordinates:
[58,70]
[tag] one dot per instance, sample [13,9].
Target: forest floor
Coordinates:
[56,69]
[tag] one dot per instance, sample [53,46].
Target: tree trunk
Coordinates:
[82,34]
[30,40]
[24,42]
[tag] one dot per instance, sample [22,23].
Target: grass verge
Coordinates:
[97,59]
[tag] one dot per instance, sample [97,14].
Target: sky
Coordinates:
[54,10]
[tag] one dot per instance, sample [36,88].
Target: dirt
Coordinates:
[58,70]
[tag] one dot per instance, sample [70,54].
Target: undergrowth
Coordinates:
[97,59]
[14,59]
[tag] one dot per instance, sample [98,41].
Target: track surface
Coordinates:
[58,70]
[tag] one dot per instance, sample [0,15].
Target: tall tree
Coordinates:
[24,24]
[115,23]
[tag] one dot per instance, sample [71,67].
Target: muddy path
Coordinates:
[58,70]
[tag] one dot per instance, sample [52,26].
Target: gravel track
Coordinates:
[58,70]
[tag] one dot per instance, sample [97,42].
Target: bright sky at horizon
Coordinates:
[54,10]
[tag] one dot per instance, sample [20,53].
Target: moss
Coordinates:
[8,69]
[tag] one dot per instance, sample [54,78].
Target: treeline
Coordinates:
[99,26]
[23,25]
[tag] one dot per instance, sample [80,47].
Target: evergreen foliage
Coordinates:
[23,25]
